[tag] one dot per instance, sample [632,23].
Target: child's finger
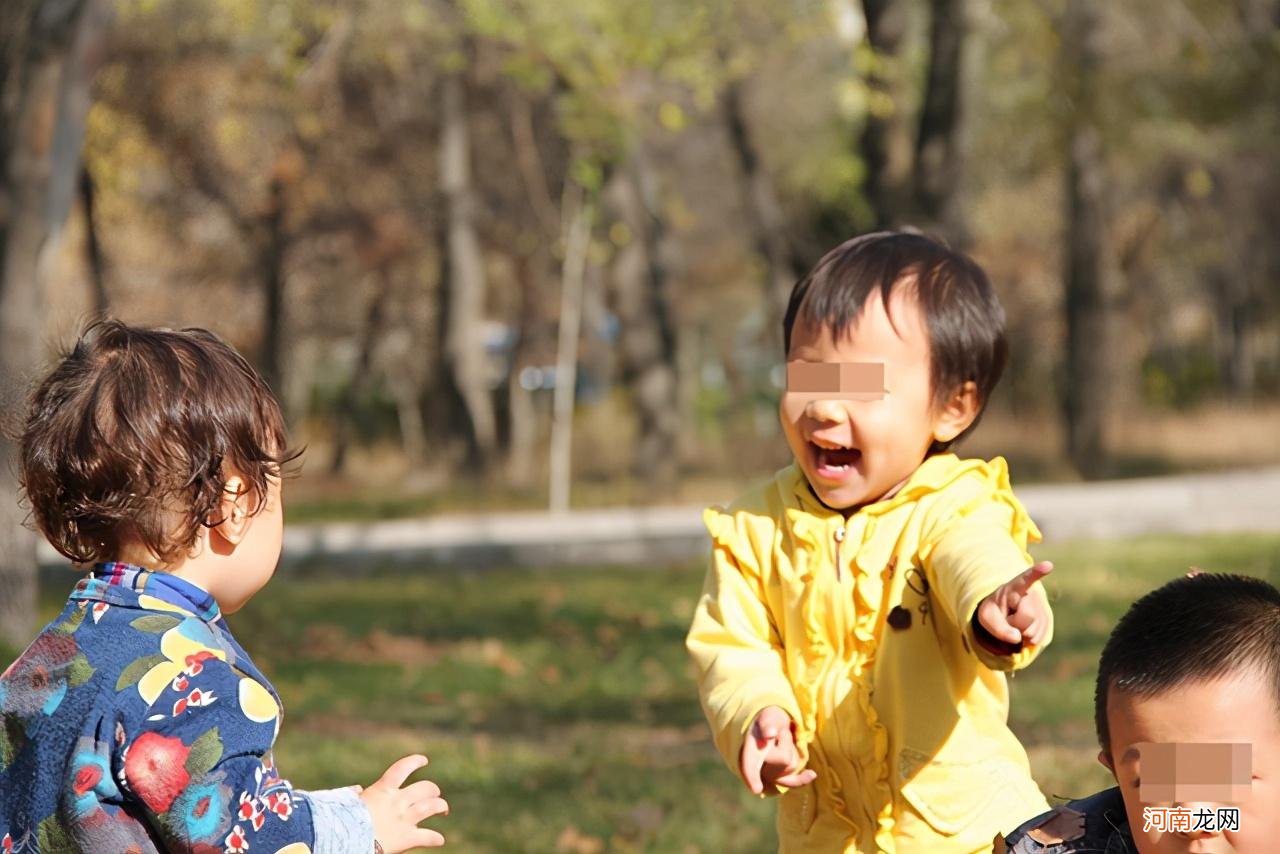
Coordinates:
[995,622]
[1026,580]
[1022,616]
[750,767]
[424,837]
[423,810]
[779,756]
[772,722]
[422,790]
[798,779]
[401,769]
[1031,633]
[1044,622]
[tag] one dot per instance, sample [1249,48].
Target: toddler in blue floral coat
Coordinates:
[135,722]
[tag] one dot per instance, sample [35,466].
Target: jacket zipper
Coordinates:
[839,535]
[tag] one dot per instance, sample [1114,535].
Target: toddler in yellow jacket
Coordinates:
[862,606]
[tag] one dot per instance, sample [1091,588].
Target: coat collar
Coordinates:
[127,584]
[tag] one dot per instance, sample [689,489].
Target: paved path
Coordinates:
[1237,501]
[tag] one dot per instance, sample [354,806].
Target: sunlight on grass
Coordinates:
[558,706]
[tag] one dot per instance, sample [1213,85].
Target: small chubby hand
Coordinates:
[397,811]
[1011,614]
[769,757]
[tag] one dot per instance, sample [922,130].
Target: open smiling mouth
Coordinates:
[833,462]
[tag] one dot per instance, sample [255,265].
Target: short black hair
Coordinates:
[965,320]
[133,424]
[1197,628]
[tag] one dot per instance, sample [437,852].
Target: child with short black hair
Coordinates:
[861,606]
[134,721]
[1193,666]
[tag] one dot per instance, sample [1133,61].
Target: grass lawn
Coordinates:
[558,707]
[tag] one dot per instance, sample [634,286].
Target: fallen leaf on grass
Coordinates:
[496,654]
[574,841]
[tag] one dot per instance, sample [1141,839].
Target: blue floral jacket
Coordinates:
[135,723]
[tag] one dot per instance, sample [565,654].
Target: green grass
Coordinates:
[559,710]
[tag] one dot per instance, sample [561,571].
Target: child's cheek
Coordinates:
[791,413]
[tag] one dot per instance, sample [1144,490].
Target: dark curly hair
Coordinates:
[133,435]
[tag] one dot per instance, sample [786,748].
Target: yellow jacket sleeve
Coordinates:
[736,647]
[979,551]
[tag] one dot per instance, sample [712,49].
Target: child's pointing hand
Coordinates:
[1011,614]
[769,757]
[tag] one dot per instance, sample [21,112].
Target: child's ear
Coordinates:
[957,413]
[233,511]
[1104,759]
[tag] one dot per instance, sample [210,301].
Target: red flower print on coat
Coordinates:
[195,662]
[155,767]
[281,804]
[195,699]
[250,810]
[6,844]
[235,841]
[86,778]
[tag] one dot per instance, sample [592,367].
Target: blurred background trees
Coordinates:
[48,55]
[376,199]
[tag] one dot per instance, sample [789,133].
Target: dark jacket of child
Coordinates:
[135,722]
[1096,823]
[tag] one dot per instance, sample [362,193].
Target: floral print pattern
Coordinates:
[35,682]
[185,648]
[171,718]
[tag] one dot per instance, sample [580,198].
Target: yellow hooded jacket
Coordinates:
[860,628]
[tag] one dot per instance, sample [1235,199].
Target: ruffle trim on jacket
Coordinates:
[869,588]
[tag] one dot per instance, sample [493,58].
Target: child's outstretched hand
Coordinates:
[769,757]
[396,811]
[1014,616]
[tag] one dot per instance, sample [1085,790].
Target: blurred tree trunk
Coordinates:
[647,331]
[413,430]
[534,271]
[1258,17]
[362,372]
[1089,294]
[764,213]
[522,414]
[1232,290]
[937,157]
[529,161]
[93,244]
[461,369]
[1248,184]
[578,218]
[1229,287]
[886,141]
[272,256]
[46,61]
